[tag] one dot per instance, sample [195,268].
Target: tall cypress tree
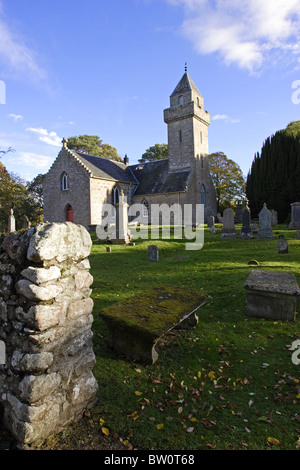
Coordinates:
[274,177]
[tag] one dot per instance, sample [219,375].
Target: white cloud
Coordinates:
[243,33]
[16,117]
[50,138]
[14,52]
[225,118]
[32,160]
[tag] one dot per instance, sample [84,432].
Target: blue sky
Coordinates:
[108,67]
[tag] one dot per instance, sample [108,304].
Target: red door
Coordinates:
[69,214]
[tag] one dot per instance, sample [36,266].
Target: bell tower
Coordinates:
[187,125]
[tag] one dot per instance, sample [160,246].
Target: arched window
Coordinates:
[145,208]
[203,195]
[65,182]
[69,213]
[180,100]
[115,196]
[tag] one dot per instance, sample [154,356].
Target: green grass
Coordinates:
[228,383]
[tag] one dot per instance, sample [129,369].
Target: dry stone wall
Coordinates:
[45,322]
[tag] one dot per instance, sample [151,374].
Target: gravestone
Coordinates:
[246,232]
[271,295]
[210,221]
[137,323]
[274,218]
[153,253]
[265,223]
[298,235]
[282,245]
[295,214]
[11,222]
[228,230]
[122,231]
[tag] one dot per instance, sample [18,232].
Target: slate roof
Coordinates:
[105,168]
[150,177]
[185,84]
[154,178]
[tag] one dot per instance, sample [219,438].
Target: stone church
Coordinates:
[78,184]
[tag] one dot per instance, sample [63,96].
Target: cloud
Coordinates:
[32,160]
[247,34]
[14,52]
[50,138]
[16,117]
[225,118]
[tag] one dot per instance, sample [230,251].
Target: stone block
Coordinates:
[59,241]
[38,293]
[41,275]
[271,295]
[33,388]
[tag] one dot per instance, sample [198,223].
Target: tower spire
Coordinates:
[185,67]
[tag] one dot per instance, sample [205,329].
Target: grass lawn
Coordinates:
[229,383]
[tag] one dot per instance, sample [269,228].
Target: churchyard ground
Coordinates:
[229,383]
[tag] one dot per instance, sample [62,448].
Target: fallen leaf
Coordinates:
[273,441]
[191,429]
[159,426]
[105,431]
[138,394]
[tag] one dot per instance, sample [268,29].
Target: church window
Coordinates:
[201,138]
[65,182]
[180,136]
[180,100]
[203,195]
[115,196]
[145,208]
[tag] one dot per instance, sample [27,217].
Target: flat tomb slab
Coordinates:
[136,324]
[271,295]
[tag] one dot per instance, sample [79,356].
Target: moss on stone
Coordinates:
[155,310]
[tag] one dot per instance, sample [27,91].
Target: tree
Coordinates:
[14,195]
[228,180]
[35,189]
[274,177]
[4,152]
[156,152]
[93,145]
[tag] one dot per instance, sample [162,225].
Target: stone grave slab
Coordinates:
[136,324]
[271,295]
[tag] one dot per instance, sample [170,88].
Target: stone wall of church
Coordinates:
[77,193]
[102,193]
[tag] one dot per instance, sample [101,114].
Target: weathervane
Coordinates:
[185,67]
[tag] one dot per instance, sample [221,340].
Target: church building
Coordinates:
[78,184]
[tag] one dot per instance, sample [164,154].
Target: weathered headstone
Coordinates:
[228,230]
[265,227]
[282,245]
[295,214]
[271,295]
[297,234]
[122,232]
[11,222]
[246,220]
[153,253]
[274,218]
[210,221]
